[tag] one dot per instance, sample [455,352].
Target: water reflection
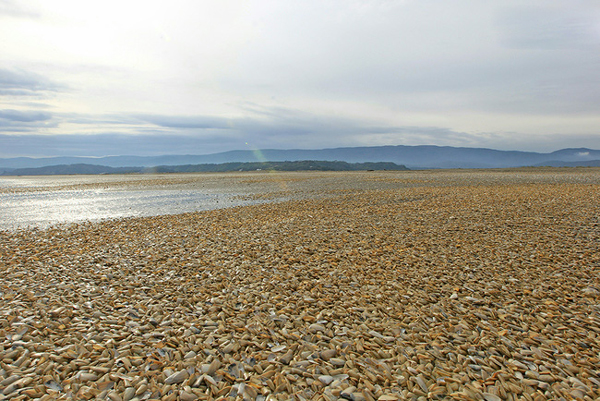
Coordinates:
[45,208]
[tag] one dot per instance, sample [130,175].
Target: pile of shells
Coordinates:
[406,292]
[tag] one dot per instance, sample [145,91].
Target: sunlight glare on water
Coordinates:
[49,207]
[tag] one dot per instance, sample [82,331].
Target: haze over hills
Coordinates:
[305,165]
[413,157]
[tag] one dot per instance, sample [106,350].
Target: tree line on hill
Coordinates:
[303,165]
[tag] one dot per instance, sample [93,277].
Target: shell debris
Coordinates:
[361,286]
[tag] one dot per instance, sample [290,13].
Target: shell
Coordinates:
[386,285]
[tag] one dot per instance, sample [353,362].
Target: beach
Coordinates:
[455,284]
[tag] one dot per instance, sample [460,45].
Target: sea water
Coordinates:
[23,204]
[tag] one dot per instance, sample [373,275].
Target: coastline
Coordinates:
[462,285]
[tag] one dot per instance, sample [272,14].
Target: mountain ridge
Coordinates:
[413,157]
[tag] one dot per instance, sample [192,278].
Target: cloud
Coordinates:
[25,120]
[203,122]
[154,144]
[549,27]
[465,56]
[284,128]
[24,116]
[147,144]
[262,124]
[213,76]
[11,8]
[24,83]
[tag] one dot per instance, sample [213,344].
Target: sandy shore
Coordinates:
[400,285]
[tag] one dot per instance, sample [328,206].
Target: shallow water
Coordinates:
[44,202]
[41,201]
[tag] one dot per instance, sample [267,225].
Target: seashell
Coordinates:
[212,367]
[358,301]
[287,357]
[128,394]
[327,354]
[337,361]
[315,327]
[177,377]
[84,377]
[388,397]
[186,396]
[347,392]
[190,355]
[422,384]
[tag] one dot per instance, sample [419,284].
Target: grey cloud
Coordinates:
[18,79]
[13,9]
[273,127]
[276,127]
[24,116]
[19,83]
[264,128]
[114,144]
[25,120]
[17,92]
[548,27]
[278,120]
[10,126]
[203,122]
[490,58]
[149,144]
[87,119]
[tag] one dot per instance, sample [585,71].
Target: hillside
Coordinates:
[414,157]
[305,165]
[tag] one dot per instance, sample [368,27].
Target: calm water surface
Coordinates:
[42,202]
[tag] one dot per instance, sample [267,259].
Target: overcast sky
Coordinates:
[94,78]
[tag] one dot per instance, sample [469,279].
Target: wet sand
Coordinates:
[375,286]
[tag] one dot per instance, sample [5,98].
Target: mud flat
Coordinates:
[400,285]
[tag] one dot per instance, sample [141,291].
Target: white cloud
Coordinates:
[321,72]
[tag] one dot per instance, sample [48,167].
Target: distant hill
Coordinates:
[414,157]
[556,163]
[64,169]
[305,165]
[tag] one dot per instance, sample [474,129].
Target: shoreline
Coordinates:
[41,202]
[453,285]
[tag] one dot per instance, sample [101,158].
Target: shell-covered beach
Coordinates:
[465,285]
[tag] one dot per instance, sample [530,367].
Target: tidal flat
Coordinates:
[453,284]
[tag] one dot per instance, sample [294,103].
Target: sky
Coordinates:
[91,78]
